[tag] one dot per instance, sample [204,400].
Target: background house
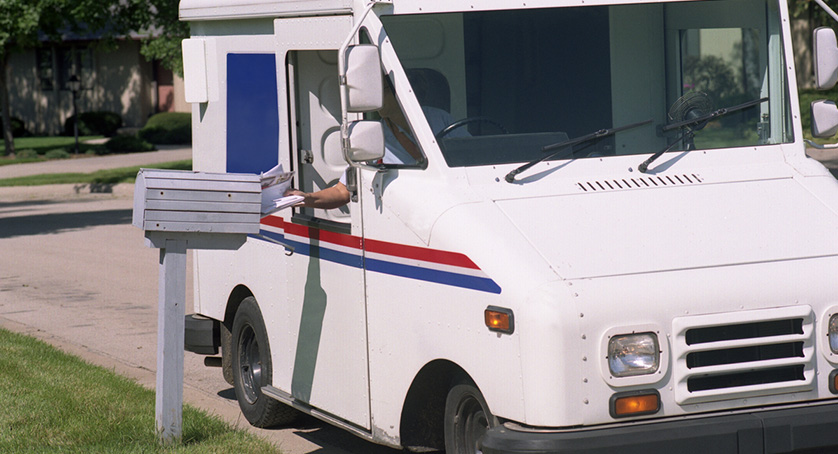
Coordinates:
[115,78]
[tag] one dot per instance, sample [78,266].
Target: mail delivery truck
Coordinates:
[611,238]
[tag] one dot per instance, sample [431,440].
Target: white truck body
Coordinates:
[725,250]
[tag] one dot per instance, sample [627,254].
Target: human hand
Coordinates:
[292,191]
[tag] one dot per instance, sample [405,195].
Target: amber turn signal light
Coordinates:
[499,319]
[635,403]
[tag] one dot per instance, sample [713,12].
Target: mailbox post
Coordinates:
[181,210]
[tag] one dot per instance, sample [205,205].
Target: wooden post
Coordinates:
[170,338]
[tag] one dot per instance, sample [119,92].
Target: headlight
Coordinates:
[833,333]
[639,354]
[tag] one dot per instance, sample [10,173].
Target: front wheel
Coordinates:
[252,369]
[467,418]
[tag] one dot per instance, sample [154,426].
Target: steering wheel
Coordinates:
[467,121]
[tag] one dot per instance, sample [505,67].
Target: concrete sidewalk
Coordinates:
[166,153]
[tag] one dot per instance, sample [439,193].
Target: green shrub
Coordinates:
[26,154]
[128,144]
[58,153]
[168,128]
[94,123]
[18,128]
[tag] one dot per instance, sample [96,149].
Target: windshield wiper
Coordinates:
[695,122]
[561,146]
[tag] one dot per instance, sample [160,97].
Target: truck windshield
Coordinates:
[518,80]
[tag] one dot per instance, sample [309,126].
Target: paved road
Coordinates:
[75,273]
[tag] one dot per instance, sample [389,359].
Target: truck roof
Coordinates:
[192,10]
[202,10]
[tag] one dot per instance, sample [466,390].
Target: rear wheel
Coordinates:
[251,364]
[467,418]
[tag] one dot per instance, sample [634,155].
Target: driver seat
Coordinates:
[431,87]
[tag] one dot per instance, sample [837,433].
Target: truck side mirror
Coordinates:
[363,78]
[824,119]
[826,58]
[365,141]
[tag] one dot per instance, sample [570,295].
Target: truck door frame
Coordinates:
[321,359]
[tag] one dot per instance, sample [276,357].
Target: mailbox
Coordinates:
[197,202]
[180,210]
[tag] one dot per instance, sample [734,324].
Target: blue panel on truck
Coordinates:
[252,113]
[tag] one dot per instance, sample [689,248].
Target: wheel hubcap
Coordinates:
[251,365]
[472,424]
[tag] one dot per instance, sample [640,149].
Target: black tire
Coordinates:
[467,418]
[252,369]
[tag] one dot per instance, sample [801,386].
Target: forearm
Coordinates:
[332,197]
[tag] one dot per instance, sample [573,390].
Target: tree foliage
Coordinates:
[30,23]
[807,9]
[166,34]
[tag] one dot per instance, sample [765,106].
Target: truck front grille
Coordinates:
[741,354]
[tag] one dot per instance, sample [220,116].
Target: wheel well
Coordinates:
[424,407]
[233,302]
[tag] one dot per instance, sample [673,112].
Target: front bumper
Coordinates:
[766,431]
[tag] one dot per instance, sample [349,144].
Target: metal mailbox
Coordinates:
[197,202]
[180,210]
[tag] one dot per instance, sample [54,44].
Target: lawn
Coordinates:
[43,144]
[55,402]
[107,176]
[48,143]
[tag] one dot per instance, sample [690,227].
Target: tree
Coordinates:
[807,9]
[28,23]
[166,34]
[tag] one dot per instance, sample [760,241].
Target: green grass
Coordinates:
[44,144]
[6,161]
[108,176]
[55,402]
[41,145]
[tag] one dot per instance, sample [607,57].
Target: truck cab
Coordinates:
[582,226]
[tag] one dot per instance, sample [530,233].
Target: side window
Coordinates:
[45,68]
[721,67]
[728,55]
[314,106]
[401,148]
[58,63]
[75,60]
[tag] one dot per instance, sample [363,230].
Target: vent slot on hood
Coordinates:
[639,182]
